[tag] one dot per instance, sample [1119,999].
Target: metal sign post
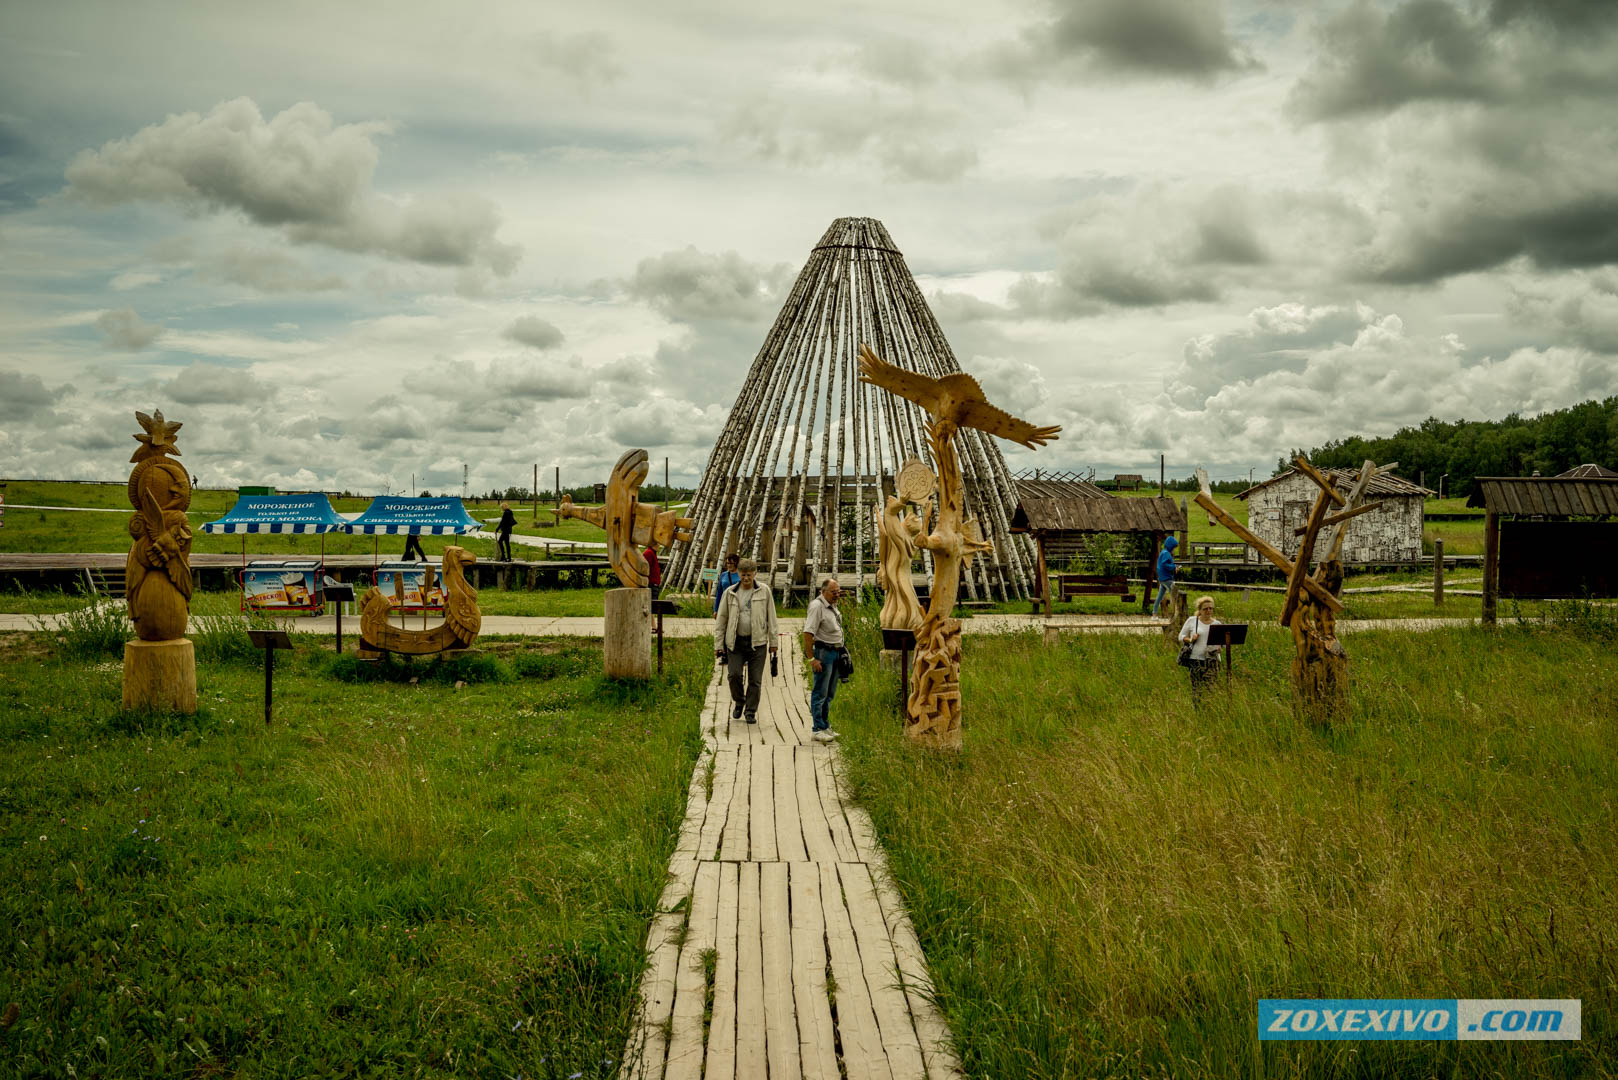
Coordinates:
[1227,634]
[338,593]
[661,608]
[269,641]
[904,641]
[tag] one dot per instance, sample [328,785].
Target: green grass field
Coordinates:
[1106,881]
[391,880]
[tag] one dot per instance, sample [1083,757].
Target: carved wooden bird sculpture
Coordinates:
[955,399]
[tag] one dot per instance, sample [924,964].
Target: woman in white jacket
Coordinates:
[744,629]
[1204,658]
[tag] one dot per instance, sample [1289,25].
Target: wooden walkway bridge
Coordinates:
[779,924]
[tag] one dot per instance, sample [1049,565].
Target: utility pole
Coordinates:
[536,493]
[665,484]
[1162,475]
[463,481]
[558,485]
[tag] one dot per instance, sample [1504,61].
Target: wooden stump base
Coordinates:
[626,644]
[160,675]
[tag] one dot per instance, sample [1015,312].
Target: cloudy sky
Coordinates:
[345,243]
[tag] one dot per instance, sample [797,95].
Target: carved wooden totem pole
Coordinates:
[933,712]
[898,534]
[160,668]
[1320,666]
[626,646]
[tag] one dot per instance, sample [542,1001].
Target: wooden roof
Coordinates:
[1098,515]
[1058,487]
[1383,484]
[1551,496]
[1587,472]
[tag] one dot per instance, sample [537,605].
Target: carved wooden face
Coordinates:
[169,485]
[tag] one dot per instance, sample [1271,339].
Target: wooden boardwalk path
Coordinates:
[780,948]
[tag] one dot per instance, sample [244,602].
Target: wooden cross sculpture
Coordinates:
[1320,667]
[630,524]
[933,712]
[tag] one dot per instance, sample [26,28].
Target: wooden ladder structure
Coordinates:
[104,583]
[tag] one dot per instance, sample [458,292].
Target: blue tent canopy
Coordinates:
[397,514]
[278,514]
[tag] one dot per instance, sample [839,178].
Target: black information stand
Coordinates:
[904,641]
[269,641]
[1226,635]
[339,593]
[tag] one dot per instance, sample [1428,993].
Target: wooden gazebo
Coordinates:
[1059,526]
[1546,537]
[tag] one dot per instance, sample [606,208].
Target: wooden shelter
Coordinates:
[808,456]
[1132,481]
[1587,471]
[1546,537]
[1059,526]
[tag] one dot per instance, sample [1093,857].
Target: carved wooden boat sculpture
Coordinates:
[462,619]
[630,525]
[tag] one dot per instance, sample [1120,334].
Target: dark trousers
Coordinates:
[825,687]
[413,548]
[503,546]
[1203,674]
[750,657]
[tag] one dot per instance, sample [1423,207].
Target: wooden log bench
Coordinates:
[1069,586]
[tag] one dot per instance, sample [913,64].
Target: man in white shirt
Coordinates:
[823,646]
[743,630]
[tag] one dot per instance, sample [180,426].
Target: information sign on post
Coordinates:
[1227,635]
[269,641]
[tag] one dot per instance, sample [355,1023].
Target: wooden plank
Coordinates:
[1332,537]
[724,779]
[788,831]
[811,814]
[648,1047]
[690,986]
[817,1037]
[857,1030]
[842,839]
[750,1057]
[733,843]
[937,1045]
[722,1027]
[877,959]
[682,874]
[1491,565]
[1321,480]
[1300,569]
[1346,515]
[761,806]
[696,806]
[780,1014]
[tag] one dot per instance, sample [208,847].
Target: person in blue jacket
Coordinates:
[1165,572]
[726,579]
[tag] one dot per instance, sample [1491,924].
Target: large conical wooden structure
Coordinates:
[809,454]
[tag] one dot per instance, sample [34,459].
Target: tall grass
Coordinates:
[1106,881]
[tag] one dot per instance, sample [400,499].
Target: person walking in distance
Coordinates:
[823,646]
[654,570]
[1165,575]
[743,633]
[413,549]
[727,578]
[1204,658]
[508,521]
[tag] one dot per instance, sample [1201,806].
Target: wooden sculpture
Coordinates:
[630,524]
[897,538]
[462,619]
[933,712]
[159,666]
[1313,602]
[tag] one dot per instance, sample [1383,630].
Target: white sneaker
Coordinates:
[824,736]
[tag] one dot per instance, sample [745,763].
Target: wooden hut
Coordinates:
[1060,526]
[1547,537]
[1278,508]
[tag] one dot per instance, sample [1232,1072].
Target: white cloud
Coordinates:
[123,329]
[535,332]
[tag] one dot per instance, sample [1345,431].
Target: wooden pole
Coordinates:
[1044,574]
[1162,475]
[1300,569]
[1438,573]
[1491,564]
[536,493]
[1317,590]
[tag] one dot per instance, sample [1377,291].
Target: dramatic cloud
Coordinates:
[299,172]
[210,384]
[24,396]
[534,332]
[1280,338]
[123,329]
[689,285]
[907,139]
[1583,310]
[1183,39]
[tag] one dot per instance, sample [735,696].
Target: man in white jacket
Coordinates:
[745,628]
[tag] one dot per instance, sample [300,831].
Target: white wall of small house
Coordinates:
[1392,534]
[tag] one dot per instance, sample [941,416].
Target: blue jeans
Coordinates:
[825,687]
[1165,589]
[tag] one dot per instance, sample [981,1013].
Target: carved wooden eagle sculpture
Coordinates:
[956,399]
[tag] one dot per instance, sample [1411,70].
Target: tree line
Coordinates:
[1550,443]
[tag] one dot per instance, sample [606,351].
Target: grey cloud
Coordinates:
[25,396]
[587,58]
[1564,16]
[1583,309]
[690,285]
[389,420]
[891,58]
[535,332]
[214,384]
[1226,234]
[958,307]
[298,172]
[123,329]
[909,140]
[1183,39]
[1279,338]
[1088,287]
[267,271]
